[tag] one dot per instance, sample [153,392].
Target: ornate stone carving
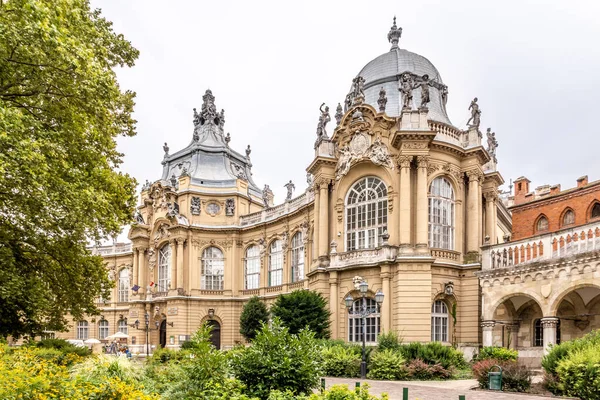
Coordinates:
[161,233]
[404,161]
[309,180]
[213,208]
[238,171]
[382,101]
[550,322]
[488,324]
[227,139]
[304,227]
[173,210]
[229,207]
[432,169]
[406,88]
[414,145]
[424,85]
[379,155]
[475,114]
[196,118]
[474,175]
[195,205]
[226,244]
[339,208]
[151,259]
[339,114]
[285,239]
[208,113]
[359,149]
[492,144]
[290,189]
[394,35]
[324,119]
[357,115]
[357,94]
[390,199]
[138,218]
[422,161]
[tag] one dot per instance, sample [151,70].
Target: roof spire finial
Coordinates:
[394,35]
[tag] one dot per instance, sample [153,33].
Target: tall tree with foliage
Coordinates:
[254,314]
[61,110]
[303,309]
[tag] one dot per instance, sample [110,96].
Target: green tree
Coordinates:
[254,314]
[61,110]
[303,309]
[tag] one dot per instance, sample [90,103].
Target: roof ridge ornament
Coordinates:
[394,35]
[208,113]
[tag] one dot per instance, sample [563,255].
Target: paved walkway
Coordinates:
[432,390]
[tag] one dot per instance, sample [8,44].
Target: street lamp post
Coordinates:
[364,312]
[146,328]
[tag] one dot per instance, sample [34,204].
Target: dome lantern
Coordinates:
[394,35]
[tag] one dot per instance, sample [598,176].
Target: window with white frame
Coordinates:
[276,263]
[441,214]
[123,328]
[439,321]
[297,257]
[124,285]
[366,214]
[213,267]
[252,267]
[102,329]
[373,322]
[82,330]
[164,268]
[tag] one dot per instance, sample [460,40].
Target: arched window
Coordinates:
[569,218]
[252,267]
[441,214]
[596,210]
[366,214]
[538,333]
[123,326]
[373,322]
[276,263]
[102,329]
[82,330]
[542,224]
[297,257]
[439,321]
[213,267]
[123,285]
[164,268]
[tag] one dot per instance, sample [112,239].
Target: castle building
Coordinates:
[398,196]
[543,286]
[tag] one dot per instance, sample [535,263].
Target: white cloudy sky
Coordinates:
[270,64]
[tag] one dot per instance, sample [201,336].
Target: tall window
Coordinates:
[164,268]
[213,266]
[102,329]
[82,330]
[297,257]
[441,214]
[439,321]
[538,333]
[252,267]
[373,322]
[276,263]
[596,210]
[123,326]
[124,285]
[569,218]
[542,224]
[366,214]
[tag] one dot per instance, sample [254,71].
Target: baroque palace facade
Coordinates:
[397,195]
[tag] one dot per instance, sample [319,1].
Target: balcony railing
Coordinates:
[364,256]
[277,211]
[555,245]
[119,248]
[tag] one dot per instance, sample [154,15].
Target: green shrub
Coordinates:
[387,364]
[389,340]
[253,315]
[336,392]
[63,346]
[341,361]
[434,353]
[164,356]
[303,309]
[278,360]
[561,351]
[497,353]
[579,373]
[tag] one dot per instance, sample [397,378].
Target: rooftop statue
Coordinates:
[394,35]
[358,90]
[209,110]
[382,101]
[338,114]
[492,143]
[475,114]
[324,119]
[166,149]
[196,118]
[290,189]
[406,88]
[424,85]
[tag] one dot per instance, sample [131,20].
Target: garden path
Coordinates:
[431,390]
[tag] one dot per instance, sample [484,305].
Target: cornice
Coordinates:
[556,198]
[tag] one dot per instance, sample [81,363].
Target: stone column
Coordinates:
[316,229]
[173,272]
[472,213]
[179,281]
[323,218]
[513,331]
[405,201]
[549,325]
[333,304]
[488,332]
[143,274]
[386,312]
[422,200]
[135,268]
[490,216]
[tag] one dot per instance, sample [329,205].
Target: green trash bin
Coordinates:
[495,378]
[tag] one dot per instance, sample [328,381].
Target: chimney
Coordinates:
[555,189]
[521,189]
[583,181]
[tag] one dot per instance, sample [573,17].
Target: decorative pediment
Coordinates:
[360,148]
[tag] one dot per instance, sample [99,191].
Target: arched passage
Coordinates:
[578,310]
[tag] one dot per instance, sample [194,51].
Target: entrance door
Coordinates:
[215,333]
[163,333]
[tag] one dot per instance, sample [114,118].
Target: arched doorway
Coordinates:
[163,333]
[215,332]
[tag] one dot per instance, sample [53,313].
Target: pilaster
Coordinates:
[333,303]
[179,280]
[405,194]
[422,200]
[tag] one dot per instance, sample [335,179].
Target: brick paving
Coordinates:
[435,390]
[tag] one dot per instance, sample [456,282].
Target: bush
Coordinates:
[336,392]
[579,373]
[63,346]
[341,361]
[387,364]
[164,356]
[253,315]
[561,351]
[389,340]
[420,370]
[515,378]
[434,353]
[496,353]
[303,309]
[278,360]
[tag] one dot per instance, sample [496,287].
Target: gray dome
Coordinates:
[386,70]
